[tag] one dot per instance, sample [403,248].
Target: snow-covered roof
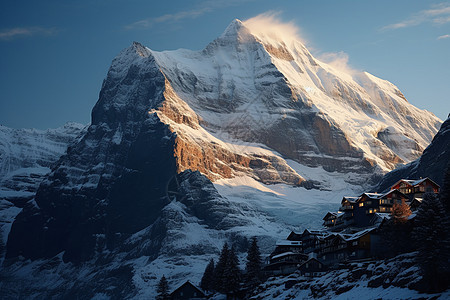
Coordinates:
[288,243]
[373,195]
[333,213]
[414,182]
[357,235]
[187,282]
[383,215]
[350,199]
[283,254]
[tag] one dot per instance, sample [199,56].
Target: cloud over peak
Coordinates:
[437,14]
[268,25]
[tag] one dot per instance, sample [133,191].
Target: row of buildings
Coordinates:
[352,233]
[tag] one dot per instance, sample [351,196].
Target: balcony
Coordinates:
[345,207]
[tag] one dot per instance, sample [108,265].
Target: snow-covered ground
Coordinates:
[296,208]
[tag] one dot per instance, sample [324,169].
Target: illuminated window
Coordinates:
[361,204]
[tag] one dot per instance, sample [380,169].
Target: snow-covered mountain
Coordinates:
[188,149]
[26,156]
[254,87]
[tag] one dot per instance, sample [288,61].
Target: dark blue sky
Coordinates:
[55,54]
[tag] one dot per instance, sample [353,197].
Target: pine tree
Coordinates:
[400,212]
[253,276]
[445,189]
[163,289]
[219,272]
[431,237]
[232,274]
[207,282]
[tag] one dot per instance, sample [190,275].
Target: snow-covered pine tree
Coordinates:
[430,235]
[253,275]
[163,289]
[232,274]
[219,277]
[207,282]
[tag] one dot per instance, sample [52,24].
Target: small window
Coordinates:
[361,204]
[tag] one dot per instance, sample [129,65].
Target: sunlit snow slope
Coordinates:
[259,86]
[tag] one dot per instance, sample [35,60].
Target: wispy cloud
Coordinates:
[204,8]
[17,32]
[445,36]
[437,14]
[268,25]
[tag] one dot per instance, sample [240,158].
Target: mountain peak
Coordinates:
[233,29]
[140,49]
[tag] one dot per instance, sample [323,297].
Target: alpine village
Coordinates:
[368,228]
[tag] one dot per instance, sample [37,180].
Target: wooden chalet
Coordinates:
[347,207]
[312,267]
[284,263]
[368,204]
[416,188]
[352,232]
[310,240]
[332,219]
[338,247]
[287,256]
[187,291]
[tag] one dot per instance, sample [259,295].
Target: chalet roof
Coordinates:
[311,259]
[416,199]
[412,216]
[350,199]
[357,235]
[293,236]
[314,232]
[187,282]
[383,215]
[414,182]
[326,235]
[285,254]
[373,195]
[394,191]
[332,213]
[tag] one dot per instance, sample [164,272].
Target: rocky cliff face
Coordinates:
[433,162]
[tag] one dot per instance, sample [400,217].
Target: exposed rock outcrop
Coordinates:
[432,164]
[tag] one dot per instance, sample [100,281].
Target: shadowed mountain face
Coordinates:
[432,164]
[112,182]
